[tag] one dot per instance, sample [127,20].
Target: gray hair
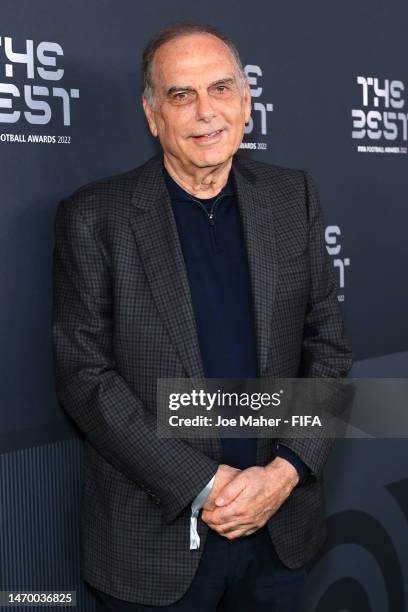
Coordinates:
[176,30]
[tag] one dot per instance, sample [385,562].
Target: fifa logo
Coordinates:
[35,103]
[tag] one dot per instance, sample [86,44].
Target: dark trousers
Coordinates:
[243,575]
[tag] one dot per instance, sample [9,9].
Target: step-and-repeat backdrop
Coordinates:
[329,84]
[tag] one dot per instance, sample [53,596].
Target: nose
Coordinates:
[204,108]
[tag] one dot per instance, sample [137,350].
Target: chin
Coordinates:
[212,158]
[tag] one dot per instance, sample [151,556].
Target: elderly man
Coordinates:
[197,263]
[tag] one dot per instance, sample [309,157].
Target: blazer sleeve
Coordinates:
[326,352]
[89,387]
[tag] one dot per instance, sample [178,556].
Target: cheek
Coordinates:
[178,128]
[235,117]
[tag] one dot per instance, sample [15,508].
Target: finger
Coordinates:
[230,534]
[229,514]
[238,533]
[234,525]
[230,491]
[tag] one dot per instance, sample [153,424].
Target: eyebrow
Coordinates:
[224,81]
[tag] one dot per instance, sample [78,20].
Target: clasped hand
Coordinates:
[242,501]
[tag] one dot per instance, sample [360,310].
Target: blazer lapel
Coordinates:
[258,228]
[156,234]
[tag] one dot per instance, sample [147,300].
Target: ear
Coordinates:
[149,116]
[247,101]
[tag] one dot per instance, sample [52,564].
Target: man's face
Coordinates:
[200,107]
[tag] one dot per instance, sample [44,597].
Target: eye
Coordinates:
[221,90]
[181,97]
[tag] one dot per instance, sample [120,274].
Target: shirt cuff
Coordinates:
[203,495]
[196,506]
[295,460]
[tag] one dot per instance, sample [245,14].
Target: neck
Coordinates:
[200,182]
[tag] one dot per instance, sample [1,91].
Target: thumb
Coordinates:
[230,492]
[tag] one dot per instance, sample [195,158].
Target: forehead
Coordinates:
[193,57]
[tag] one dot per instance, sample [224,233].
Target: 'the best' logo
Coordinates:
[37,102]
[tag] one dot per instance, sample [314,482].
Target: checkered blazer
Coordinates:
[123,317]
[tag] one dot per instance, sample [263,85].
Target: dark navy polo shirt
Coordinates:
[213,247]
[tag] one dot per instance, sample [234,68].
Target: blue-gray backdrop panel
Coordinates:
[330,95]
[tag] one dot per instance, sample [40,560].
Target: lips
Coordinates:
[209,135]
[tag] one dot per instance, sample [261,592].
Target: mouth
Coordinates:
[209,136]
